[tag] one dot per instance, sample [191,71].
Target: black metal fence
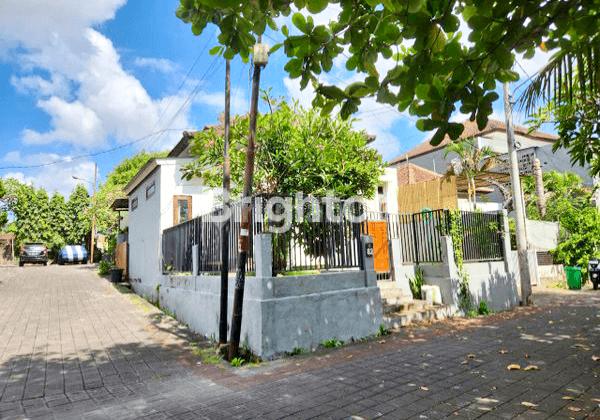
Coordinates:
[420,234]
[205,231]
[305,245]
[317,245]
[322,244]
[482,236]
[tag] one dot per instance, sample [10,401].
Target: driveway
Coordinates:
[73,347]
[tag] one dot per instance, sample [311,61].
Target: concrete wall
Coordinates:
[489,282]
[280,313]
[389,181]
[542,235]
[153,215]
[144,235]
[513,262]
[551,272]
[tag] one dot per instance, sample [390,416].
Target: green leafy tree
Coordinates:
[433,77]
[78,220]
[107,220]
[297,151]
[579,237]
[3,214]
[57,223]
[563,191]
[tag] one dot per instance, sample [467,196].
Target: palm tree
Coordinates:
[569,87]
[472,161]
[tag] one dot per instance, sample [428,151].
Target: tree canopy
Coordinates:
[408,54]
[563,191]
[38,218]
[106,219]
[297,151]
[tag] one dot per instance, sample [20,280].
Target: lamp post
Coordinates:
[91,260]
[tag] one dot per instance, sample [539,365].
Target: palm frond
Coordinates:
[569,74]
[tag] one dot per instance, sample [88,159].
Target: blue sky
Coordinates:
[80,78]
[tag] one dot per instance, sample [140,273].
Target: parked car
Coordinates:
[33,252]
[73,254]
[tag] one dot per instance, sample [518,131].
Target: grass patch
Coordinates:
[558,284]
[334,342]
[299,273]
[123,289]
[169,313]
[203,351]
[297,350]
[382,331]
[237,361]
[213,359]
[483,309]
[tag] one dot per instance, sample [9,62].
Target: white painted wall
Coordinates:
[463,204]
[497,141]
[542,235]
[172,184]
[155,214]
[144,232]
[389,181]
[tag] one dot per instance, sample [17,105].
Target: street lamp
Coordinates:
[91,260]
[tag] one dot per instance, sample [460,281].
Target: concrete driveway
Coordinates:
[73,347]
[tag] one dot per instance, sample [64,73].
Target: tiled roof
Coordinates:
[471,130]
[409,174]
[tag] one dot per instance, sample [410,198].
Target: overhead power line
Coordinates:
[72,158]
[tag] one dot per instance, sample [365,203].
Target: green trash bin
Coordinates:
[573,277]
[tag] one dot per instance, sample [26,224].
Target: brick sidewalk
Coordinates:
[71,347]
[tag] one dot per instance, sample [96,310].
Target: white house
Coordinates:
[160,198]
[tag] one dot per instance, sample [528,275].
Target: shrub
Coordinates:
[104,267]
[416,283]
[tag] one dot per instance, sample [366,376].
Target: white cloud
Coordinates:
[162,65]
[12,157]
[57,85]
[216,100]
[71,121]
[32,23]
[109,102]
[56,177]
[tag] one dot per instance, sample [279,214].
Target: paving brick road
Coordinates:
[72,347]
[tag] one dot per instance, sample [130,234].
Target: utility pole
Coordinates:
[93,214]
[260,58]
[526,296]
[226,223]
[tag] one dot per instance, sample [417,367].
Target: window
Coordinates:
[182,208]
[150,190]
[134,203]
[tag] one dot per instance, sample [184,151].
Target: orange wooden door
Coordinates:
[378,230]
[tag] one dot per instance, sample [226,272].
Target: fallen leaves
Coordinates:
[595,358]
[531,367]
[502,351]
[582,347]
[528,404]
[424,388]
[514,366]
[470,356]
[572,408]
[568,398]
